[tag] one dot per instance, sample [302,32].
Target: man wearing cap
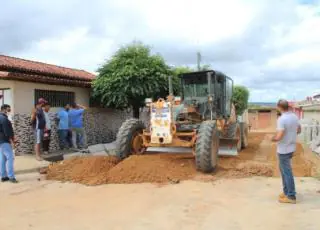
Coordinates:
[39,124]
[287,129]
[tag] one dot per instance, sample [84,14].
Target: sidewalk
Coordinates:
[28,164]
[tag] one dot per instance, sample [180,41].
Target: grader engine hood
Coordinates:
[161,122]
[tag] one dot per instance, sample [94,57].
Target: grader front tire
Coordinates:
[207,146]
[129,138]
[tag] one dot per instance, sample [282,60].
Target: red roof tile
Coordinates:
[44,79]
[12,63]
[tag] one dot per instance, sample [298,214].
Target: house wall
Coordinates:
[24,94]
[253,120]
[311,114]
[263,120]
[274,119]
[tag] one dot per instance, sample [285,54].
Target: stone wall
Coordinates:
[101,126]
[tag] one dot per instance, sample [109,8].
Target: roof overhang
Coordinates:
[45,79]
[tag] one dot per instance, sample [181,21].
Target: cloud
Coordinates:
[270,46]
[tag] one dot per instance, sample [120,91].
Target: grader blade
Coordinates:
[169,150]
[228,147]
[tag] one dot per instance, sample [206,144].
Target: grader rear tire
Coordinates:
[207,146]
[129,138]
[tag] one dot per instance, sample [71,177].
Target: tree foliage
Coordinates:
[240,98]
[181,69]
[131,75]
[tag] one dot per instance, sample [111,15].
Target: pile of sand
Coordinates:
[167,168]
[84,170]
[158,168]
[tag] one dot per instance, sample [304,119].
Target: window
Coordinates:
[5,96]
[55,98]
[195,87]
[196,90]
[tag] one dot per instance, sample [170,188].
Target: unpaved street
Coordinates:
[249,204]
[230,203]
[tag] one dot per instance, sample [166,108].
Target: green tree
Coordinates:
[181,69]
[176,71]
[240,98]
[131,75]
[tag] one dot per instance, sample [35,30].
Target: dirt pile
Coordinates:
[246,169]
[301,166]
[84,170]
[257,160]
[158,168]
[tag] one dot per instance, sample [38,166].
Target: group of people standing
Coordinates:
[70,130]
[70,127]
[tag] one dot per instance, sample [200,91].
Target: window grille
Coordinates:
[55,98]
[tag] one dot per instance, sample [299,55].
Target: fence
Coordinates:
[310,134]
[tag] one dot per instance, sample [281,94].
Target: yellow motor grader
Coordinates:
[203,118]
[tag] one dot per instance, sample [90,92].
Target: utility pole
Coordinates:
[199,60]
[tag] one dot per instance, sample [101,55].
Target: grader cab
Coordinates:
[203,118]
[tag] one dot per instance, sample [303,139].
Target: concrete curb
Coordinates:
[26,171]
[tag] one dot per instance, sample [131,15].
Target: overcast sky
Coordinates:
[271,46]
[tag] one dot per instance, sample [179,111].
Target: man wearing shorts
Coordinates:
[39,124]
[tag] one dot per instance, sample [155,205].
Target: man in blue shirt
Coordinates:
[76,125]
[63,127]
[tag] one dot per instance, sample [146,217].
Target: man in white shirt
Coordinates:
[287,129]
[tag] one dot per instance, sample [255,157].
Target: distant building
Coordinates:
[297,110]
[316,96]
[262,118]
[310,111]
